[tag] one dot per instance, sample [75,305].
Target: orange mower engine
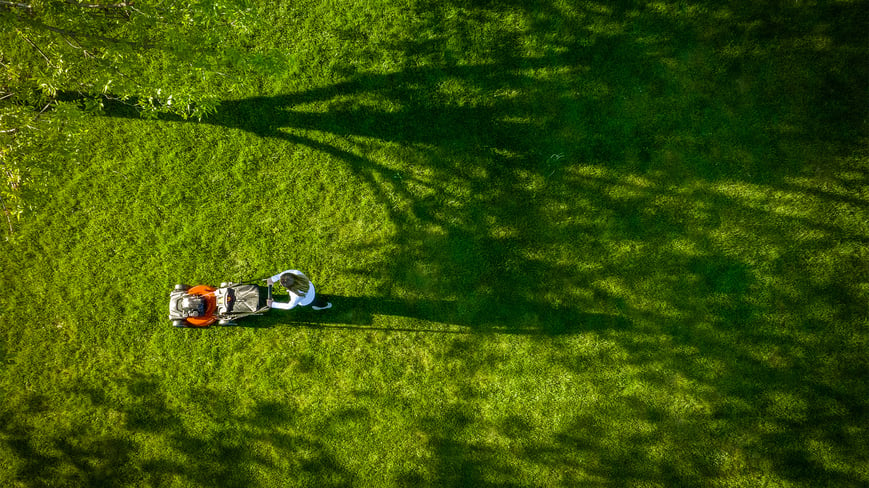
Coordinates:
[193,307]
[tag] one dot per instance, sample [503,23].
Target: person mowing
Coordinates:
[301,291]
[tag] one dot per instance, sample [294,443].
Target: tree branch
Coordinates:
[37,48]
[16,4]
[3,199]
[143,45]
[8,215]
[121,8]
[96,5]
[65,32]
[41,111]
[87,53]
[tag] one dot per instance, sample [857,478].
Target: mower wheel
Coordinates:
[226,322]
[179,323]
[182,287]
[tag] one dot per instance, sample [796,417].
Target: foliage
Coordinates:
[163,56]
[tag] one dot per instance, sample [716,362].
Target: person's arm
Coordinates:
[282,305]
[276,278]
[294,300]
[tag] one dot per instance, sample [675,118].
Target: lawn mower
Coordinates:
[203,305]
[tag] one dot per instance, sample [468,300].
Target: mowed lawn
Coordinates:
[567,243]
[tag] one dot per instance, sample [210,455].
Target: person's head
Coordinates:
[296,283]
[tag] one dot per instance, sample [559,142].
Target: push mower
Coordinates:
[203,305]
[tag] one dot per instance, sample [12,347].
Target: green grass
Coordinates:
[569,243]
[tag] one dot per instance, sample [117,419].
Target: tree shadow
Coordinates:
[157,442]
[634,178]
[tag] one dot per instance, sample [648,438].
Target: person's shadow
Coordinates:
[441,316]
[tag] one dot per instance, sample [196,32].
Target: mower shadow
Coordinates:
[441,316]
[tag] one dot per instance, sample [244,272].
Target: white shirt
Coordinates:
[295,298]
